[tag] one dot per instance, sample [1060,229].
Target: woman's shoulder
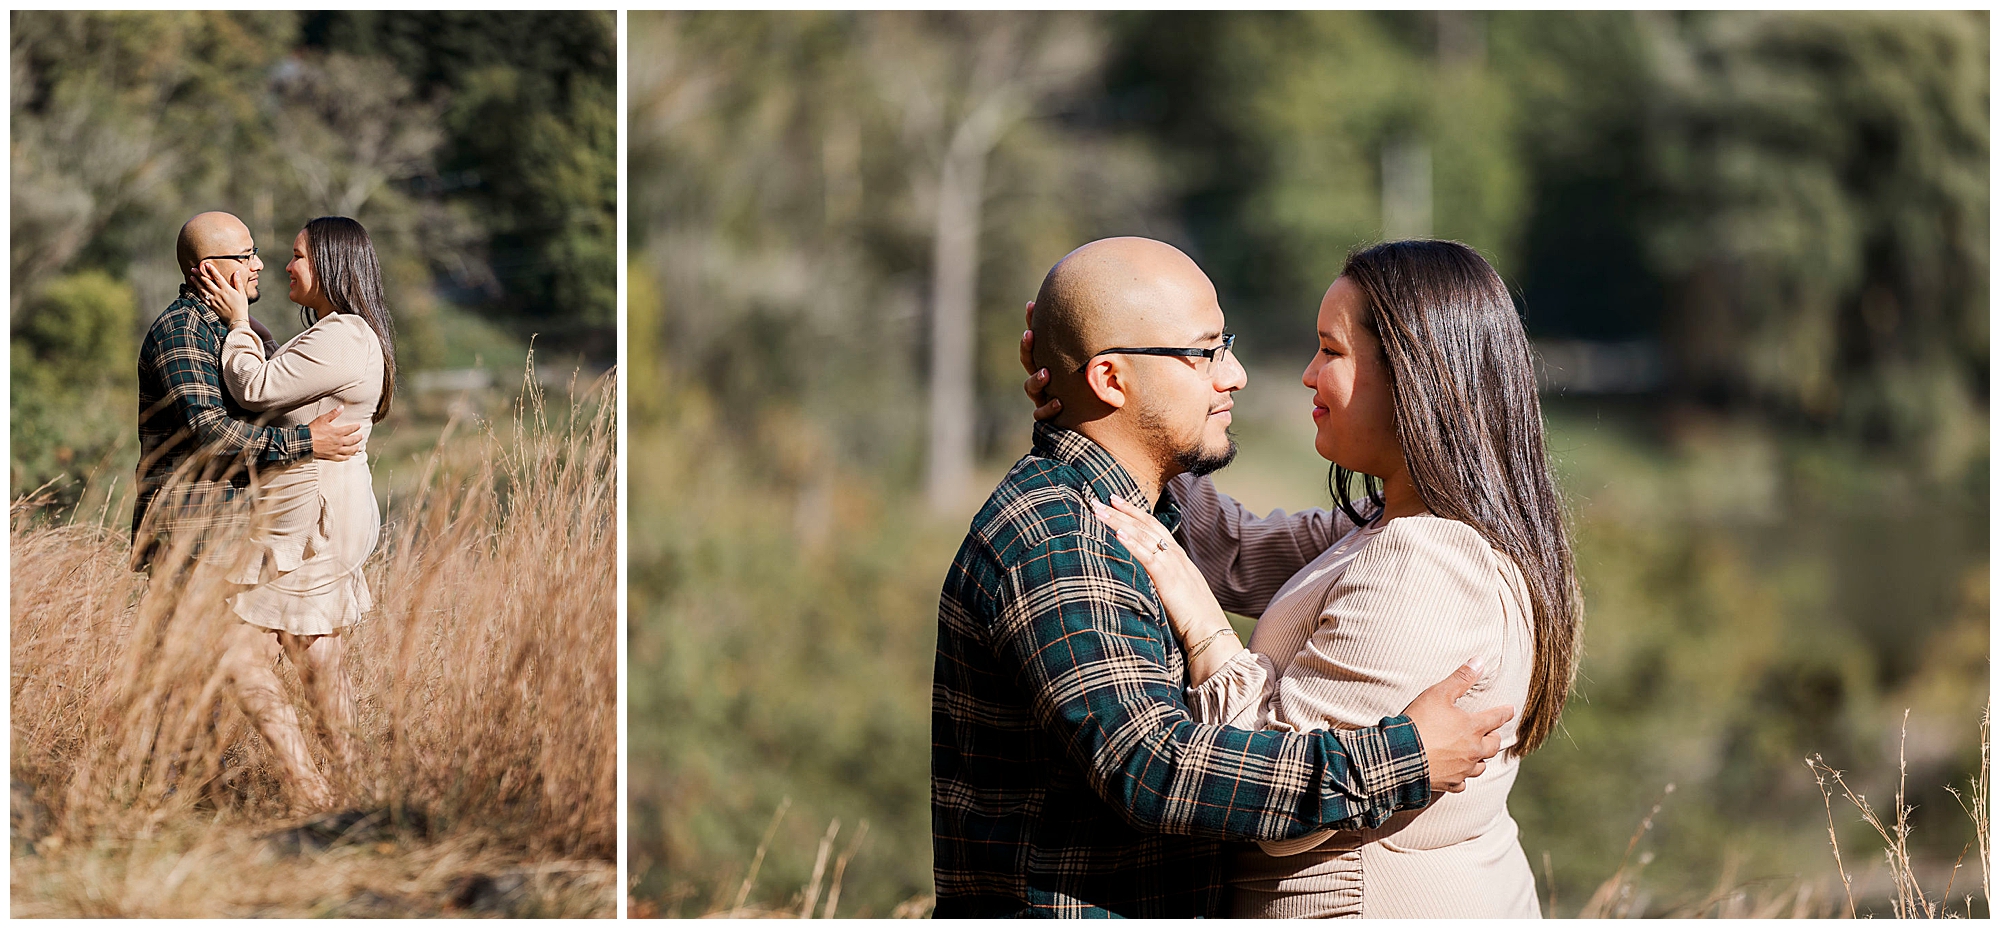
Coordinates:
[1427,572]
[346,329]
[350,324]
[1426,550]
[1436,535]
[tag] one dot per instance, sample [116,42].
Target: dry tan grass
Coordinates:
[1622,895]
[806,903]
[486,681]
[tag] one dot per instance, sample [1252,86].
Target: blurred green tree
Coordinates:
[788,198]
[530,147]
[1299,136]
[1822,217]
[72,377]
[103,141]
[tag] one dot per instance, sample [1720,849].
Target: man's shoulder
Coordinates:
[179,323]
[1040,500]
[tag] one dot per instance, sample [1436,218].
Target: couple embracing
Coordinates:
[254,467]
[1102,743]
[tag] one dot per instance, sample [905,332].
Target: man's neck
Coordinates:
[1133,454]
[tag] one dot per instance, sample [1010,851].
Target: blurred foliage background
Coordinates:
[479,148]
[1752,249]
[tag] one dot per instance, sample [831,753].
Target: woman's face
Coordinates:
[305,287]
[1349,378]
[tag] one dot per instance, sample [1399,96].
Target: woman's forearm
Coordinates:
[1208,646]
[317,364]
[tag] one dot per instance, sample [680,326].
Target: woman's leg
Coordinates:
[322,664]
[248,654]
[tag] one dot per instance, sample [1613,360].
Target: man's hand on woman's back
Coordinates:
[1456,743]
[338,443]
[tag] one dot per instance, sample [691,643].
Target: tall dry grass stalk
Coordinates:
[485,678]
[1976,808]
[808,897]
[1910,901]
[1616,896]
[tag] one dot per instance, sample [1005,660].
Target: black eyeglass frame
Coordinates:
[1211,354]
[252,254]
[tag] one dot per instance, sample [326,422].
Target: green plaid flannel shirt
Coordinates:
[1067,777]
[195,441]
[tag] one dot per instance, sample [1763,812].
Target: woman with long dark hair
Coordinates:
[315,521]
[1423,382]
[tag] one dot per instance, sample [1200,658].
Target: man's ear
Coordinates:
[1105,379]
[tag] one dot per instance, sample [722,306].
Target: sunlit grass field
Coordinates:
[1752,599]
[486,681]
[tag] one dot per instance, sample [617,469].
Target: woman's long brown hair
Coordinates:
[1462,380]
[345,269]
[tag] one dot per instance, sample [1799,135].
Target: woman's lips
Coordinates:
[1318,412]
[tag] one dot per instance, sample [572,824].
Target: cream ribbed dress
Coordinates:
[1375,616]
[315,521]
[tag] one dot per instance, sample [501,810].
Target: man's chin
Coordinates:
[254,295]
[1204,461]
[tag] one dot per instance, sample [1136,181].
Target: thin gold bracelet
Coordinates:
[1205,643]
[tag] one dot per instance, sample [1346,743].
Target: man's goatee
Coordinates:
[1199,461]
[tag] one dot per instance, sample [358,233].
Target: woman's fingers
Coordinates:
[212,285]
[1046,407]
[1118,521]
[1035,384]
[214,280]
[1123,514]
[1143,518]
[1148,541]
[1143,545]
[210,291]
[1038,378]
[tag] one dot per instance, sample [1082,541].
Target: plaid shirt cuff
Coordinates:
[298,444]
[1390,762]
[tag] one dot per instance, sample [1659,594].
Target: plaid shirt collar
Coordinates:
[200,307]
[1102,470]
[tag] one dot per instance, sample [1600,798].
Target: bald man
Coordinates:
[199,451]
[1067,776]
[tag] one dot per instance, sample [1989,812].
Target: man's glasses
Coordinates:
[1211,355]
[244,257]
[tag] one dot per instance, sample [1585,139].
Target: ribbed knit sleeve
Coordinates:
[1246,558]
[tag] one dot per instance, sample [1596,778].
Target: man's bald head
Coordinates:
[208,235]
[1113,293]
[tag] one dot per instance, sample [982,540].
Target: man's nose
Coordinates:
[1231,375]
[256,263]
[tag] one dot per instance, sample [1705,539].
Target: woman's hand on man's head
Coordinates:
[1037,384]
[227,295]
